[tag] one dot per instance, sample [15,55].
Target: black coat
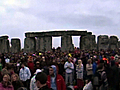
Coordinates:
[45,88]
[17,84]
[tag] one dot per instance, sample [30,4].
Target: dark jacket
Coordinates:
[114,72]
[17,84]
[45,88]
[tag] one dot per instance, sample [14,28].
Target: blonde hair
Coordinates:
[89,60]
[80,63]
[16,77]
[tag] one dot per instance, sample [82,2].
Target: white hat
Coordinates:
[37,71]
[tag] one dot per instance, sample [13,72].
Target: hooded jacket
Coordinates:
[59,81]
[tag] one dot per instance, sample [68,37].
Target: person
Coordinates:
[104,85]
[4,71]
[25,75]
[41,79]
[55,80]
[31,65]
[89,69]
[69,67]
[94,66]
[114,79]
[7,60]
[6,84]
[88,85]
[37,65]
[16,82]
[32,82]
[79,71]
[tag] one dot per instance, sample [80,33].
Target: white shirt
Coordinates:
[24,74]
[69,70]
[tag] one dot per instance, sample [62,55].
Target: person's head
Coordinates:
[79,61]
[23,65]
[89,61]
[30,59]
[41,79]
[6,77]
[100,66]
[37,64]
[43,58]
[52,70]
[69,59]
[58,60]
[14,77]
[4,71]
[95,61]
[87,81]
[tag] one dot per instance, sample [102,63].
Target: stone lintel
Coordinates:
[55,33]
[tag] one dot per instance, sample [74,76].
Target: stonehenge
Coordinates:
[42,41]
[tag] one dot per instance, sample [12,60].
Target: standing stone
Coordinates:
[66,43]
[48,43]
[4,44]
[44,43]
[87,42]
[103,42]
[70,44]
[37,44]
[113,43]
[15,45]
[119,44]
[30,44]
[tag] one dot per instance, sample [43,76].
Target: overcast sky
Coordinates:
[20,16]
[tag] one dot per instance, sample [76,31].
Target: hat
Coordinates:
[40,54]
[37,71]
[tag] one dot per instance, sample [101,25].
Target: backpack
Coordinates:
[97,78]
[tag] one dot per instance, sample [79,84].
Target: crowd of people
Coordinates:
[57,70]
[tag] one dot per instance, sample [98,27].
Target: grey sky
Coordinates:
[20,16]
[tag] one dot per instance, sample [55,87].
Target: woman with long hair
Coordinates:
[6,84]
[16,82]
[89,69]
[79,71]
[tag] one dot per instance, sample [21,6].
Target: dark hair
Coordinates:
[42,77]
[23,63]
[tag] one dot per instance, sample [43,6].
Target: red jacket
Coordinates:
[59,82]
[31,66]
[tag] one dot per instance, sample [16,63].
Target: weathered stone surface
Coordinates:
[4,44]
[37,44]
[29,45]
[87,42]
[66,43]
[44,39]
[58,33]
[119,44]
[113,42]
[103,42]
[48,43]
[15,45]
[44,43]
